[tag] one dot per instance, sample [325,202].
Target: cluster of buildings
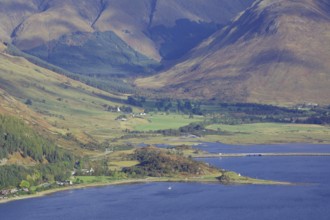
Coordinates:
[7,192]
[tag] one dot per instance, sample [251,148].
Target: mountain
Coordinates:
[272,52]
[275,52]
[105,37]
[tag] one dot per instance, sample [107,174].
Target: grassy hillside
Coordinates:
[68,106]
[275,52]
[10,106]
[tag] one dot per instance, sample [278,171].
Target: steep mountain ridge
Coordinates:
[47,28]
[275,52]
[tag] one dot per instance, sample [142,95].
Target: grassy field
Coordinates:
[164,121]
[118,165]
[263,133]
[258,133]
[95,179]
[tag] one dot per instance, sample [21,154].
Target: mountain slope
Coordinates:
[275,52]
[80,29]
[57,104]
[11,106]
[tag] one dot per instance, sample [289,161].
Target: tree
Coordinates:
[28,102]
[24,184]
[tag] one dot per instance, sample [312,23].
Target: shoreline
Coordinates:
[262,154]
[74,187]
[137,181]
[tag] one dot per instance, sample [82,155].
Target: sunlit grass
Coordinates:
[260,133]
[164,121]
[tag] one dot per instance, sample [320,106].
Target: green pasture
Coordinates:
[166,121]
[263,133]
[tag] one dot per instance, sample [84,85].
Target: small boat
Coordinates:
[170,188]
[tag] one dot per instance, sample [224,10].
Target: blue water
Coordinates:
[272,148]
[198,201]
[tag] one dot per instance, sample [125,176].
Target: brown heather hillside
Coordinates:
[48,27]
[275,52]
[10,106]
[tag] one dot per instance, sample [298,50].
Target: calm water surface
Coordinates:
[273,148]
[200,201]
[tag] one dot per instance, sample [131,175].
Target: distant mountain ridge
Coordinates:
[147,30]
[275,52]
